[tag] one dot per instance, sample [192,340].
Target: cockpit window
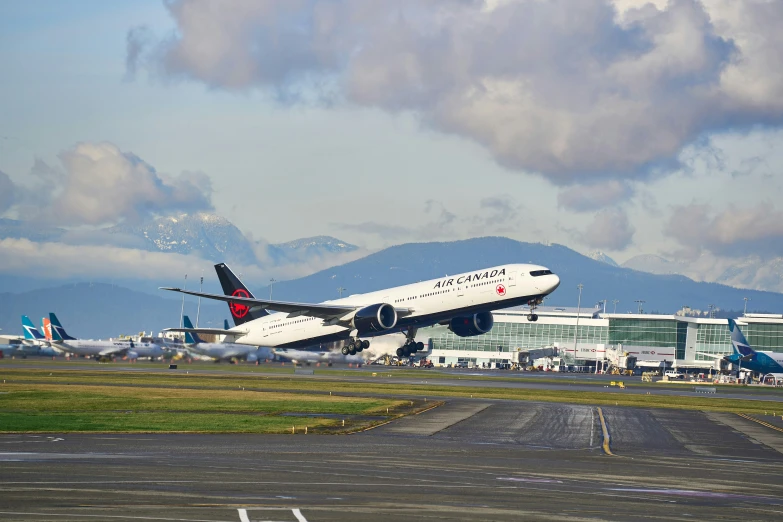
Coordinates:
[536,273]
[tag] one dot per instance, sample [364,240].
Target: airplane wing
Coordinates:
[323,311]
[117,350]
[210,331]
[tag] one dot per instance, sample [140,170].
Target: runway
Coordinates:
[466,460]
[400,375]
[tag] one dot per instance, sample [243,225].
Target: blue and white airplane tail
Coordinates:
[31,333]
[58,332]
[738,342]
[190,337]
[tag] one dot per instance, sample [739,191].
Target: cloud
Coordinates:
[733,232]
[99,184]
[571,90]
[610,230]
[589,198]
[7,191]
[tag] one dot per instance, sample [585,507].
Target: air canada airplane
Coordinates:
[464,302]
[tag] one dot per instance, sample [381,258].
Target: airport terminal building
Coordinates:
[588,337]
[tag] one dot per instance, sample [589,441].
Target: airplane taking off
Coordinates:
[97,349]
[464,302]
[217,351]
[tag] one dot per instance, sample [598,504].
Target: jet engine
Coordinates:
[471,325]
[375,318]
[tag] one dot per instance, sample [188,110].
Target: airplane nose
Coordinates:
[555,282]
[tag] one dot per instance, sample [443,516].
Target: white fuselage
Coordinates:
[429,302]
[96,348]
[305,356]
[222,350]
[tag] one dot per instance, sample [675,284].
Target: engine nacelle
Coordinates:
[475,324]
[375,318]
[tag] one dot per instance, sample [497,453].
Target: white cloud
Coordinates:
[572,90]
[588,198]
[7,190]
[736,231]
[610,230]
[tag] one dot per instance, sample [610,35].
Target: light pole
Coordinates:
[576,329]
[614,302]
[710,307]
[602,302]
[182,312]
[745,310]
[640,302]
[271,284]
[200,289]
[341,290]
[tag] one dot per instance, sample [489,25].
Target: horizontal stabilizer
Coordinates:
[208,331]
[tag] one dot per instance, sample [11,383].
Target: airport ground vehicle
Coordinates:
[674,374]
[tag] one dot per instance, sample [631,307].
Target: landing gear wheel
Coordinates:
[365,345]
[532,317]
[352,350]
[400,352]
[419,347]
[344,350]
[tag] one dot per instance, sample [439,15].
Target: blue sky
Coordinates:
[376,157]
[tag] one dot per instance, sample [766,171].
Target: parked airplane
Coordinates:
[218,351]
[97,349]
[34,343]
[744,356]
[464,302]
[311,356]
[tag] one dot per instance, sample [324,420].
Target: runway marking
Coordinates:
[592,427]
[605,431]
[130,517]
[244,518]
[768,425]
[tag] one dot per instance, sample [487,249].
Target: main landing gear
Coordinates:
[354,346]
[533,316]
[411,346]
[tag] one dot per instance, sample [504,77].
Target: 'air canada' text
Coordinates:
[470,277]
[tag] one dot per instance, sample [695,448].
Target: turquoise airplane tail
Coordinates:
[31,333]
[190,337]
[738,342]
[58,332]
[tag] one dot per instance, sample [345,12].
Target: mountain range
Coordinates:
[101,310]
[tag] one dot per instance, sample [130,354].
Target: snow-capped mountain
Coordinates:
[208,235]
[318,244]
[749,272]
[597,255]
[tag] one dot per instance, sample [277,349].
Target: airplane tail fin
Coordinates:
[58,332]
[31,333]
[46,326]
[738,341]
[233,286]
[190,337]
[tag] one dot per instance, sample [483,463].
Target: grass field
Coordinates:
[62,407]
[85,400]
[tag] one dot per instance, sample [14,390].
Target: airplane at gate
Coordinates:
[746,357]
[464,302]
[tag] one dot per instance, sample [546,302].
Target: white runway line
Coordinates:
[243,515]
[244,518]
[298,515]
